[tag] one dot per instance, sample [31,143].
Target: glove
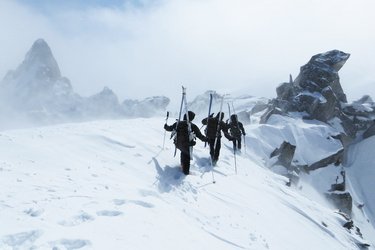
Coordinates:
[165,126]
[244,133]
[192,143]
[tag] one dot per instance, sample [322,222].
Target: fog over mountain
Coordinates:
[36,93]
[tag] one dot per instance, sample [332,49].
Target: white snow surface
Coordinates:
[361,161]
[109,185]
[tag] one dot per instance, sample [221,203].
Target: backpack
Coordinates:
[234,129]
[211,127]
[181,139]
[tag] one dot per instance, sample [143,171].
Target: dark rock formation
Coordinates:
[285,154]
[343,201]
[339,186]
[336,159]
[317,94]
[316,90]
[370,131]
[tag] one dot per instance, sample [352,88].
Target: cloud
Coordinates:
[154,47]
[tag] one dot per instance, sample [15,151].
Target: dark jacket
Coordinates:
[212,127]
[181,139]
[236,128]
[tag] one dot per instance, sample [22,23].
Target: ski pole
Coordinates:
[166,120]
[212,171]
[235,161]
[244,143]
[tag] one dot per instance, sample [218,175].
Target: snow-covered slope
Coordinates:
[361,161]
[109,185]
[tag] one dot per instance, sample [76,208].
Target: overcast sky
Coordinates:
[144,48]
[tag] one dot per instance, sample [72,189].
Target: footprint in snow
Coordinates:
[33,212]
[120,202]
[77,220]
[110,213]
[23,240]
[69,244]
[142,204]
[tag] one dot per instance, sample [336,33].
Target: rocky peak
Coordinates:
[321,72]
[39,63]
[334,58]
[106,95]
[316,90]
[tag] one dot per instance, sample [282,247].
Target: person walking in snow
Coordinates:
[215,125]
[183,141]
[236,130]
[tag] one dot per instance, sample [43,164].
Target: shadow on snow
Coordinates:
[169,177]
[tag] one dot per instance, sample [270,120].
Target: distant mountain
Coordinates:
[37,85]
[36,93]
[103,104]
[145,108]
[244,106]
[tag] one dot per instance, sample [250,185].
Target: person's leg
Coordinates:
[185,162]
[239,143]
[211,142]
[217,149]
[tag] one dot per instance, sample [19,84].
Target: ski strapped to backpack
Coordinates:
[190,134]
[208,116]
[234,152]
[220,118]
[179,119]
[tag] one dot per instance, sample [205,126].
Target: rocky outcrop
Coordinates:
[341,200]
[370,131]
[338,195]
[145,108]
[335,159]
[317,94]
[105,104]
[284,154]
[316,90]
[339,186]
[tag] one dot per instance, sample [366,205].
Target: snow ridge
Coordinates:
[68,184]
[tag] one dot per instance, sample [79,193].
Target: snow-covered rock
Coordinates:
[105,104]
[244,105]
[148,107]
[317,94]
